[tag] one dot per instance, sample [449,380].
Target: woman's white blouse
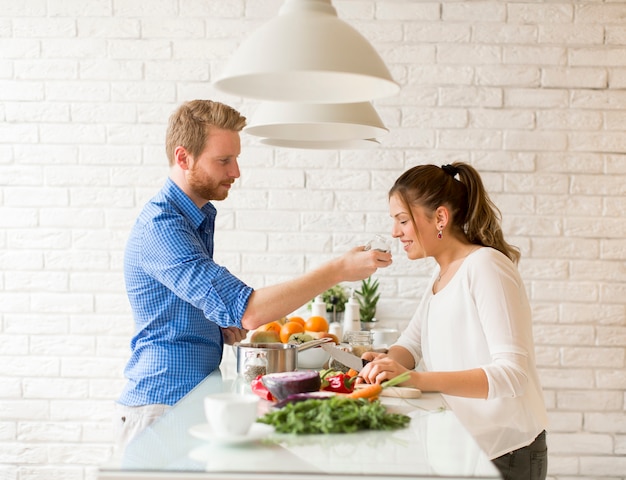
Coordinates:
[482,319]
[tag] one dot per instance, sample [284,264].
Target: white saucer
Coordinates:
[257,431]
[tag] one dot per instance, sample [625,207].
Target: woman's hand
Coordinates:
[381,368]
[369,356]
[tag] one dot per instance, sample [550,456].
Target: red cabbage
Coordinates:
[283,384]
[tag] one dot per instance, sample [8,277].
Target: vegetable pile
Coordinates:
[309,402]
[336,414]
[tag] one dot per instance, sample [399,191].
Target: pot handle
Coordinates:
[313,343]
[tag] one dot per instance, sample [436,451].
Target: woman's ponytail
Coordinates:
[482,220]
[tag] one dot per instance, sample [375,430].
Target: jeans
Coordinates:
[526,463]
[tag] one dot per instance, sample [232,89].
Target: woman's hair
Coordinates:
[189,125]
[473,214]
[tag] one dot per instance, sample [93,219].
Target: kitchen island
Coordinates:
[434,445]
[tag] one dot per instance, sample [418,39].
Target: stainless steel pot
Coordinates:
[255,359]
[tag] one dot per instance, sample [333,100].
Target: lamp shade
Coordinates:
[307,54]
[316,122]
[357,144]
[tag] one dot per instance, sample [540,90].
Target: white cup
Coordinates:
[384,337]
[231,414]
[380,243]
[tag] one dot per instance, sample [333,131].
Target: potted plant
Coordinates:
[368,297]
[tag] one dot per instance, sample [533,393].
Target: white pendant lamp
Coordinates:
[357,144]
[316,122]
[307,54]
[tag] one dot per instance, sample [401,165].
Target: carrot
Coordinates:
[352,373]
[372,390]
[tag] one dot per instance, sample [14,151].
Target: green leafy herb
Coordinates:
[336,414]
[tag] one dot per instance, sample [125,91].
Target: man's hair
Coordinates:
[190,124]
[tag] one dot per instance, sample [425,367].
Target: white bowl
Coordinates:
[314,358]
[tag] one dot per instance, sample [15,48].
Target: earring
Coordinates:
[440,234]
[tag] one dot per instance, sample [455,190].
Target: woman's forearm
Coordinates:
[466,383]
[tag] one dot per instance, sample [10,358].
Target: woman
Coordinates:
[472,329]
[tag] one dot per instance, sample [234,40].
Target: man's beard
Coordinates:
[205,187]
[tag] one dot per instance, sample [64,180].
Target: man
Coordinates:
[186,306]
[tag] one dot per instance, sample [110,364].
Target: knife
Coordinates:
[344,357]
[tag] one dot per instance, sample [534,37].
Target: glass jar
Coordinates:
[360,341]
[255,364]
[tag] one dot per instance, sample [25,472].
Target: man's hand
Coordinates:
[359,263]
[233,335]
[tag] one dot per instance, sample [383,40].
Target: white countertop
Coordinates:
[434,445]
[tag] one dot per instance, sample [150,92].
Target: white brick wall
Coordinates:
[532,93]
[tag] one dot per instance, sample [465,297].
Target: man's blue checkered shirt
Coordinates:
[179,297]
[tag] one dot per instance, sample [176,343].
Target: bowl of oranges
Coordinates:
[298,330]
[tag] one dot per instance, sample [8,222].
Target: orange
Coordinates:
[289,329]
[270,327]
[299,320]
[316,324]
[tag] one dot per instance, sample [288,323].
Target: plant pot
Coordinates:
[368,325]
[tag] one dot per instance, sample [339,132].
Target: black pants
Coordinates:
[526,463]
